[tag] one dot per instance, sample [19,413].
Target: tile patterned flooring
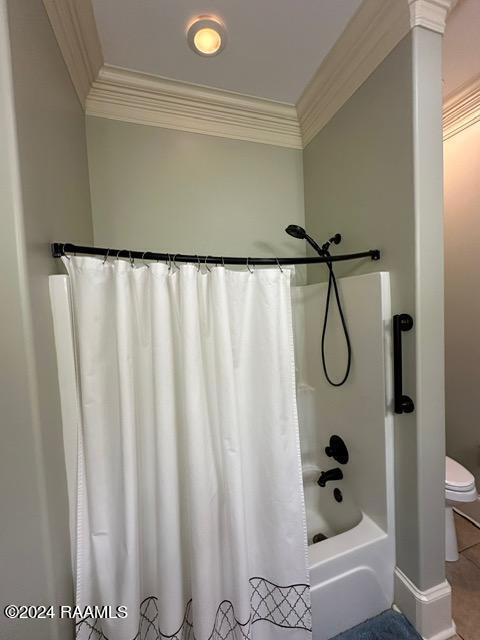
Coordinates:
[464,577]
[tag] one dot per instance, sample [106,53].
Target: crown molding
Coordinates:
[431,14]
[121,94]
[375,29]
[461,109]
[73,23]
[373,32]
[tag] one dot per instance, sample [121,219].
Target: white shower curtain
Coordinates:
[190,502]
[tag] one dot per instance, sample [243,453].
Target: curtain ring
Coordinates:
[106,256]
[206,265]
[174,262]
[279,265]
[223,262]
[118,253]
[131,260]
[199,266]
[63,251]
[248,266]
[142,259]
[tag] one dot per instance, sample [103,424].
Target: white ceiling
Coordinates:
[461,46]
[274,46]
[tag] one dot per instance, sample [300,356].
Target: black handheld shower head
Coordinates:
[296,231]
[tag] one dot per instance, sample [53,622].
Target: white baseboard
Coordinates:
[430,611]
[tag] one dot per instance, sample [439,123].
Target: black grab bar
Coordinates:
[402,403]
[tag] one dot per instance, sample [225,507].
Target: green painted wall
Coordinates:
[45,197]
[182,192]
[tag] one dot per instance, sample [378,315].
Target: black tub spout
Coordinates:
[332,474]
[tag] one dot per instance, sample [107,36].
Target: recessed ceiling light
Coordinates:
[206,36]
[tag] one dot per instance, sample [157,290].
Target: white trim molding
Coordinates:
[120,94]
[431,14]
[462,108]
[429,611]
[375,29]
[373,32]
[73,23]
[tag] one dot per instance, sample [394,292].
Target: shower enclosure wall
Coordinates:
[352,568]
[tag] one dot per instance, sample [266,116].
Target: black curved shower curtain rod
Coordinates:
[60,249]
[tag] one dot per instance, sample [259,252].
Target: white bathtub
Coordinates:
[351,578]
[351,571]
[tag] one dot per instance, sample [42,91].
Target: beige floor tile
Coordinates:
[464,576]
[473,554]
[467,533]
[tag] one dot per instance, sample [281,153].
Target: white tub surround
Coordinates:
[59,287]
[354,565]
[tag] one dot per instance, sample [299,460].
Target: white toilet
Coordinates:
[459,487]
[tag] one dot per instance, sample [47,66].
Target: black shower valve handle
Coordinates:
[337,449]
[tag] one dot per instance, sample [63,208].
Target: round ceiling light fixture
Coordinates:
[206,36]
